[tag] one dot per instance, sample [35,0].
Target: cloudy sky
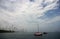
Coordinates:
[28,14]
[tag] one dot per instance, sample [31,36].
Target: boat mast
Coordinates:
[38,27]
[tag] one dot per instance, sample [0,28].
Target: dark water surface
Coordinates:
[50,35]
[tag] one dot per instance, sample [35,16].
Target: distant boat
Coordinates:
[38,33]
[44,32]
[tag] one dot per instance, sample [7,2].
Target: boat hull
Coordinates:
[38,34]
[44,32]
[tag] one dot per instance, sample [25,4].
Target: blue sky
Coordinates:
[26,14]
[51,14]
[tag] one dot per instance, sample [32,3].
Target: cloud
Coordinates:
[25,13]
[51,25]
[32,0]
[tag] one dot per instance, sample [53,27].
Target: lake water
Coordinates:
[50,35]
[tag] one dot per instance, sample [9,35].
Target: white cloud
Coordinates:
[19,12]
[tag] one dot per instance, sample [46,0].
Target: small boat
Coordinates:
[38,34]
[44,32]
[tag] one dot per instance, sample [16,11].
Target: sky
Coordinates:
[27,15]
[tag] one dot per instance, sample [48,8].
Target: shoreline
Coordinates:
[6,31]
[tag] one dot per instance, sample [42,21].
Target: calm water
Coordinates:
[50,35]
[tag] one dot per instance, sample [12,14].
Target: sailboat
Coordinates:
[38,33]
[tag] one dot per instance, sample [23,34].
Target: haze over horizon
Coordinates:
[28,14]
